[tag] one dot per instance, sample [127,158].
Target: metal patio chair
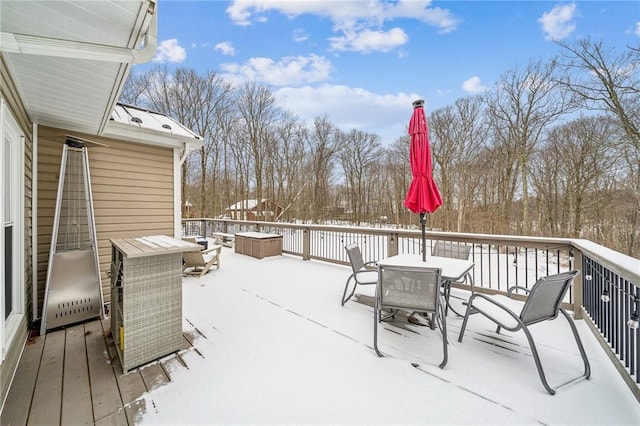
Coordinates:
[453,251]
[363,274]
[544,302]
[410,289]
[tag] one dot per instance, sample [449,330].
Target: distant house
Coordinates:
[254,209]
[62,68]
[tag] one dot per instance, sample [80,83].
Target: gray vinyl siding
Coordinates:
[132,187]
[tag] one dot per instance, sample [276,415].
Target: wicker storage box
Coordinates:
[258,244]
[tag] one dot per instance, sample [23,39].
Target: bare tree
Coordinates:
[259,114]
[323,145]
[458,133]
[360,153]
[606,81]
[135,89]
[570,170]
[609,81]
[286,163]
[523,103]
[207,98]
[398,174]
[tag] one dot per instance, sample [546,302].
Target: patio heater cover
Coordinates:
[423,195]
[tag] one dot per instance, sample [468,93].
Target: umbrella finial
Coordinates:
[418,103]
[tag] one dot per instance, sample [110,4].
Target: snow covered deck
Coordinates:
[276,347]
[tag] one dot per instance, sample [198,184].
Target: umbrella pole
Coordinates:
[423,222]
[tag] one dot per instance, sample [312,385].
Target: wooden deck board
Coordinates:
[47,397]
[135,410]
[117,418]
[172,364]
[130,384]
[104,388]
[73,376]
[76,401]
[153,376]
[18,403]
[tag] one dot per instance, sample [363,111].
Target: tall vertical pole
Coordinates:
[423,222]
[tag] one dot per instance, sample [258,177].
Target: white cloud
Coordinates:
[358,23]
[351,108]
[289,71]
[369,40]
[226,48]
[345,11]
[300,35]
[170,51]
[473,85]
[638,29]
[558,23]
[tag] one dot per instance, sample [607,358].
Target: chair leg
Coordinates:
[466,318]
[345,299]
[444,338]
[376,315]
[447,292]
[536,358]
[583,354]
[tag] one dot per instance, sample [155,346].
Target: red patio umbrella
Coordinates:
[423,195]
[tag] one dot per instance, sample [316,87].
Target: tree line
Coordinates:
[552,149]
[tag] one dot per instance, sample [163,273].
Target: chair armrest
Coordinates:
[373,262]
[215,247]
[517,287]
[493,317]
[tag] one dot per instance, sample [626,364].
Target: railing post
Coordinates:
[306,244]
[578,286]
[392,244]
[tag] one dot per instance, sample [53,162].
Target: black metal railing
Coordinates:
[611,302]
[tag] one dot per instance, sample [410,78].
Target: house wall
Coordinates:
[132,187]
[10,95]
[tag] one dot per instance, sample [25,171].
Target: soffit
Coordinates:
[74,93]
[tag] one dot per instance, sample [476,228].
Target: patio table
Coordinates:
[452,269]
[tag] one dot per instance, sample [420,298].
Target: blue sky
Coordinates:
[363,62]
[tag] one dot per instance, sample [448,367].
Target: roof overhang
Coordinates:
[149,127]
[69,60]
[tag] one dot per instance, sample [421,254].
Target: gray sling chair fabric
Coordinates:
[411,289]
[453,251]
[363,274]
[544,302]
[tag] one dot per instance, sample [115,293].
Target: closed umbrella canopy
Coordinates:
[423,195]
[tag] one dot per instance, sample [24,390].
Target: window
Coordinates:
[11,227]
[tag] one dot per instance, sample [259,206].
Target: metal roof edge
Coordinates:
[147,136]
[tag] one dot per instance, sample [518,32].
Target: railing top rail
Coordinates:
[625,266]
[540,242]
